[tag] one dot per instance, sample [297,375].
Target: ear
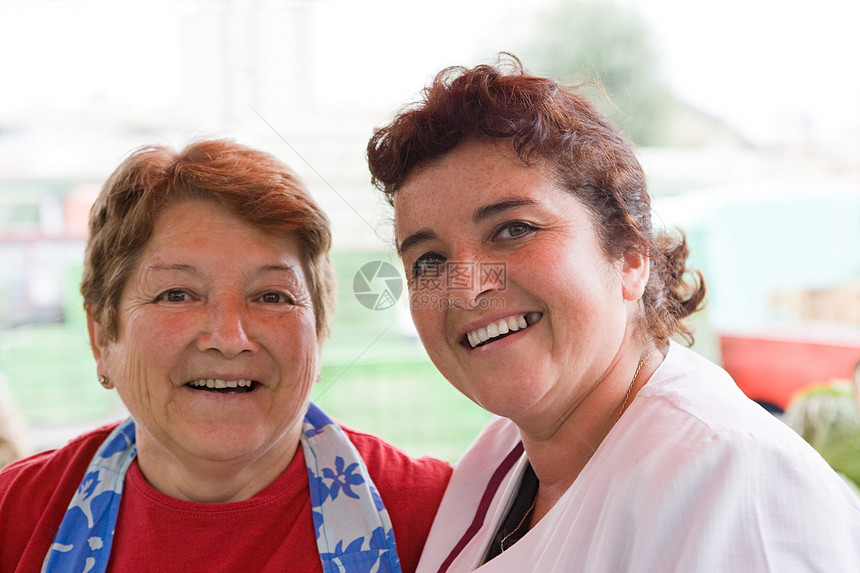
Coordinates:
[634,275]
[98,343]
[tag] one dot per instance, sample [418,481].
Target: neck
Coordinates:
[192,478]
[559,455]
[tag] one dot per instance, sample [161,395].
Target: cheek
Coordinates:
[292,341]
[141,325]
[132,373]
[147,347]
[427,317]
[431,332]
[305,352]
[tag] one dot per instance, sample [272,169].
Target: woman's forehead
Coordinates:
[193,232]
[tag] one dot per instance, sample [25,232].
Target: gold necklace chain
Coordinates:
[623,407]
[633,382]
[523,520]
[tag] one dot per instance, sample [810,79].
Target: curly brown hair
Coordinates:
[586,153]
[253,185]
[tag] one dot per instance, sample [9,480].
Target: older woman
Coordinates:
[541,293]
[208,289]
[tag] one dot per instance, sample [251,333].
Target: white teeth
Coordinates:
[219,383]
[500,327]
[473,341]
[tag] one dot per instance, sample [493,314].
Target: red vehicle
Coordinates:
[772,366]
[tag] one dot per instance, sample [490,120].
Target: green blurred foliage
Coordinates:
[597,43]
[376,376]
[827,417]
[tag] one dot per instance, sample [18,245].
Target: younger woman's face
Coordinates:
[510,290]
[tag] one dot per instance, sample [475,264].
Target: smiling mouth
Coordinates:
[500,329]
[223,386]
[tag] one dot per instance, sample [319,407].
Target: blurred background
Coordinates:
[746,116]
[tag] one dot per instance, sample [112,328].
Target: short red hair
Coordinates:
[586,153]
[253,185]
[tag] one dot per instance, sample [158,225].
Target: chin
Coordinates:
[504,404]
[496,392]
[227,449]
[222,441]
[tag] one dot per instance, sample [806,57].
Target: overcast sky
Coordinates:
[765,66]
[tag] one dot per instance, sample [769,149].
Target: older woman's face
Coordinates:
[510,291]
[217,350]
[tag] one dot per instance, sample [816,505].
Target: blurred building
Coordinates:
[775,230]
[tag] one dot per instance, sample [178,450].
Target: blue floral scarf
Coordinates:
[352,526]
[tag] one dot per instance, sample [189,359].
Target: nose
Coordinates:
[227,327]
[469,281]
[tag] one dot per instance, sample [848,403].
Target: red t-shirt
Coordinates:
[273,531]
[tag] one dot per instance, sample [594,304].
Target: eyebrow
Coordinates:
[278,269]
[480,214]
[189,269]
[494,208]
[415,238]
[176,268]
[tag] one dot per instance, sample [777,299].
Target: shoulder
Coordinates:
[734,494]
[411,489]
[34,494]
[390,466]
[690,392]
[697,426]
[59,462]
[692,411]
[696,450]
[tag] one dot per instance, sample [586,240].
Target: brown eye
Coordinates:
[427,263]
[514,229]
[274,298]
[174,296]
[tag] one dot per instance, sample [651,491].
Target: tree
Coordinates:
[599,42]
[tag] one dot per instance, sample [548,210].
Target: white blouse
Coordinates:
[695,477]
